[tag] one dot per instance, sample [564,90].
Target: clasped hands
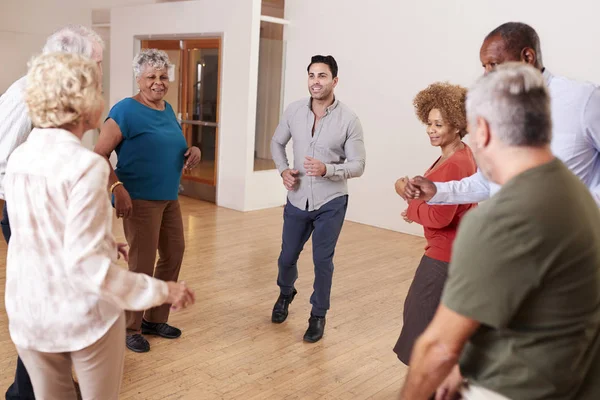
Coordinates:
[417,188]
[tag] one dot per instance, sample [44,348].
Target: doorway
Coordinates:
[194,95]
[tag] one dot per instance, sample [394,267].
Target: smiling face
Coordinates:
[440,133]
[320,81]
[153,83]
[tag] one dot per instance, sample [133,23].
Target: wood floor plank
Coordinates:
[231,350]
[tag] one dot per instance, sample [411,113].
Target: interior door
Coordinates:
[195,96]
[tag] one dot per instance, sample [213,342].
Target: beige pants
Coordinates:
[480,393]
[99,369]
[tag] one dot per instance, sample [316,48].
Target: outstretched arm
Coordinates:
[473,189]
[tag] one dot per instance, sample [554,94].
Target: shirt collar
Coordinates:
[55,134]
[329,109]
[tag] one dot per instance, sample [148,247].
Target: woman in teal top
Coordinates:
[152,154]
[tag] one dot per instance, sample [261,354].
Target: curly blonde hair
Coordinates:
[448,99]
[62,89]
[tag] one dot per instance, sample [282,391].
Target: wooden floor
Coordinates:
[231,350]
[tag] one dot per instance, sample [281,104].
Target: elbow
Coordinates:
[102,153]
[358,170]
[440,354]
[361,169]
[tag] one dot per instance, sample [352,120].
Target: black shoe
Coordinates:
[137,343]
[160,329]
[280,309]
[316,328]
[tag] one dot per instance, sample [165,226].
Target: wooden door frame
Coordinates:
[183,45]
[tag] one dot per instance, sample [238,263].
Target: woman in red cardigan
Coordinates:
[442,108]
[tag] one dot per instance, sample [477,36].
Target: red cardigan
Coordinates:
[440,222]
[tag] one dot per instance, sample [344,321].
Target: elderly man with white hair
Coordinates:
[520,312]
[15,126]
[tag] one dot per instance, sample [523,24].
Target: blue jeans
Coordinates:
[21,389]
[325,225]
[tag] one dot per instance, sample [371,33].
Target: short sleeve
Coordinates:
[172,114]
[119,113]
[492,270]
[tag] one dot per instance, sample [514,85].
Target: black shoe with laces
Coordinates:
[280,309]
[137,343]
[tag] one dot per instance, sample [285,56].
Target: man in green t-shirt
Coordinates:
[520,312]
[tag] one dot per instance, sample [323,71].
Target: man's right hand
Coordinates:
[180,296]
[290,178]
[420,188]
[123,203]
[451,387]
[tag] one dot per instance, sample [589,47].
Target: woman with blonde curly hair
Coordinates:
[65,293]
[441,107]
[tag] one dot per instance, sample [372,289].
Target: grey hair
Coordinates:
[75,39]
[154,58]
[515,102]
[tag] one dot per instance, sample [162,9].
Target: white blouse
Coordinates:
[64,289]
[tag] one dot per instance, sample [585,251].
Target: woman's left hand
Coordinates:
[192,157]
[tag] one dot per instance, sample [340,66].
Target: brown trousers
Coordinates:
[99,368]
[154,225]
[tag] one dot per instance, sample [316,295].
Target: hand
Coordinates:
[400,186]
[123,203]
[192,157]
[121,250]
[314,167]
[420,188]
[180,296]
[451,387]
[404,216]
[290,178]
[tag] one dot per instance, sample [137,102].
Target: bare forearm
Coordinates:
[430,364]
[112,177]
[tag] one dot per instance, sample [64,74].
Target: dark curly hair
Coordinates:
[449,99]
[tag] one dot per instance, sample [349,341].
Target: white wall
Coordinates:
[25,25]
[388,50]
[238,23]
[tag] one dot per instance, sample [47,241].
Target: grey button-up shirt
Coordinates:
[337,142]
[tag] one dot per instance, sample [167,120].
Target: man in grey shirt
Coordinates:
[328,150]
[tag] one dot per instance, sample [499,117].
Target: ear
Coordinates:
[528,55]
[335,81]
[481,137]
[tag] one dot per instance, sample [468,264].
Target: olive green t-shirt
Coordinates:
[526,265]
